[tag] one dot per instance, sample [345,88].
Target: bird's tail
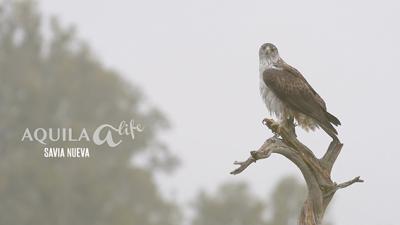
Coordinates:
[330,130]
[325,121]
[332,119]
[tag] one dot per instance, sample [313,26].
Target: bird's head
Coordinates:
[269,53]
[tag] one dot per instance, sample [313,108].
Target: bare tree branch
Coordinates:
[263,152]
[316,172]
[331,155]
[350,182]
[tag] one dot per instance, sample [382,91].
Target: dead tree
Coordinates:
[316,172]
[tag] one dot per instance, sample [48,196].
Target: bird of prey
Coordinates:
[289,96]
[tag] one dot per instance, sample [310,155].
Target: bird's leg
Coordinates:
[290,124]
[271,124]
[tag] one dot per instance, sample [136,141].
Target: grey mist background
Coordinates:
[198,62]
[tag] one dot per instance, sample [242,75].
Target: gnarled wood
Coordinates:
[316,172]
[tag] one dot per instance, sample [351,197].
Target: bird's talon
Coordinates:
[264,121]
[267,122]
[274,126]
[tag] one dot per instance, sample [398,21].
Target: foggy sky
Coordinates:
[198,61]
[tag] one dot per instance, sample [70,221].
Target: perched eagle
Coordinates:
[288,95]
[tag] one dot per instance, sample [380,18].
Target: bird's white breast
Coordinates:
[273,103]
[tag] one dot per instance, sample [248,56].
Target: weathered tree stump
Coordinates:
[316,172]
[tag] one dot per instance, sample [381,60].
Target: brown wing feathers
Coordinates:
[298,95]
